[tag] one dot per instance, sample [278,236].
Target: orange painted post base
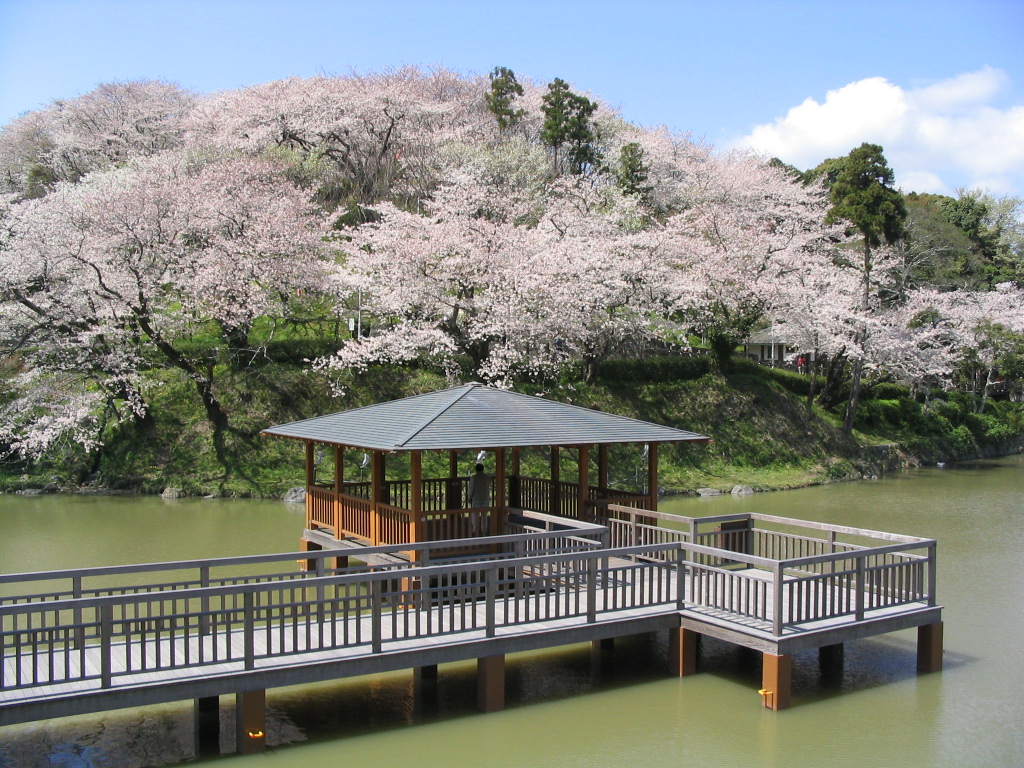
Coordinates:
[308,546]
[682,651]
[251,722]
[776,680]
[490,683]
[929,647]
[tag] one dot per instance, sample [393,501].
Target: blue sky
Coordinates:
[939,84]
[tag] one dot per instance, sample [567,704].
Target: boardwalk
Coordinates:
[187,630]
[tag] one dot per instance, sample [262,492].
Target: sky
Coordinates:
[939,84]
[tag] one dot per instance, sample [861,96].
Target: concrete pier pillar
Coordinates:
[424,689]
[776,680]
[830,661]
[428,672]
[206,718]
[490,683]
[683,646]
[929,647]
[251,722]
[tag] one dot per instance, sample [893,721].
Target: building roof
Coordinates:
[475,416]
[789,335]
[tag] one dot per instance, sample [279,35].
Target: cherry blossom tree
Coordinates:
[362,138]
[513,278]
[99,276]
[747,227]
[991,325]
[111,124]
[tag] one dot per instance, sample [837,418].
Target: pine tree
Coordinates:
[504,90]
[567,124]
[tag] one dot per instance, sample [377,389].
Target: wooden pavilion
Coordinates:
[470,418]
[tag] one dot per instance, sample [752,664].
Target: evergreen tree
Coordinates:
[567,124]
[499,99]
[862,194]
[633,171]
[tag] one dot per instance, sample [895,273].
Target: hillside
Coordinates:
[763,433]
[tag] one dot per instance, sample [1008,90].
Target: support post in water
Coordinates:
[682,651]
[490,683]
[776,680]
[251,722]
[206,716]
[929,647]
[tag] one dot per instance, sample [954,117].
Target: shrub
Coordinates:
[888,390]
[961,439]
[655,369]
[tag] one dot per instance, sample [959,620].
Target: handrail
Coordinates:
[204,566]
[371,575]
[68,639]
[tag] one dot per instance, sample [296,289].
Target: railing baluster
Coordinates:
[106,626]
[249,629]
[376,611]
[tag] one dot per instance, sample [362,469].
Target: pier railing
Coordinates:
[102,581]
[761,573]
[785,572]
[102,639]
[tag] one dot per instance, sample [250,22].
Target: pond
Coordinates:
[577,707]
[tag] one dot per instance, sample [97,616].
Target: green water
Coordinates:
[575,707]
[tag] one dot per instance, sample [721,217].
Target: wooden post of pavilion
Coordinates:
[416,533]
[377,470]
[602,466]
[583,483]
[306,546]
[498,515]
[556,491]
[339,484]
[515,487]
[652,476]
[452,488]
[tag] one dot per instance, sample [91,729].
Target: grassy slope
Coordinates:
[763,434]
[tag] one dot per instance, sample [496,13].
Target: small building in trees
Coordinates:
[769,346]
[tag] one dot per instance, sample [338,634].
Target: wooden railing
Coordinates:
[349,513]
[105,639]
[198,616]
[320,511]
[562,498]
[51,586]
[355,517]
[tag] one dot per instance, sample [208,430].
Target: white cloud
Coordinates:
[937,137]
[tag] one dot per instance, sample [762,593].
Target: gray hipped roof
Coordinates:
[475,416]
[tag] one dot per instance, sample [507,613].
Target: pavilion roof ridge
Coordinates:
[457,392]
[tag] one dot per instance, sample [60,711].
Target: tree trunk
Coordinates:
[722,347]
[813,370]
[833,378]
[851,406]
[216,414]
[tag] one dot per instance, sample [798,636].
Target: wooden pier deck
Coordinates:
[199,634]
